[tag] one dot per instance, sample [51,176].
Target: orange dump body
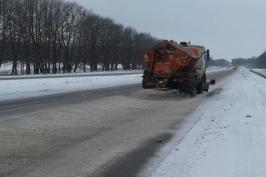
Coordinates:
[167,58]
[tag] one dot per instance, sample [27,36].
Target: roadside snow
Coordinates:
[14,89]
[230,138]
[261,71]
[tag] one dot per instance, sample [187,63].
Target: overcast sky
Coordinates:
[230,28]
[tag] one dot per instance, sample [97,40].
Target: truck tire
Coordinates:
[205,84]
[200,87]
[146,85]
[147,81]
[193,90]
[189,87]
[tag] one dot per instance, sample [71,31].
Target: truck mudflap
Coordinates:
[207,85]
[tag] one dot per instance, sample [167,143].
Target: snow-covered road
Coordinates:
[24,88]
[230,138]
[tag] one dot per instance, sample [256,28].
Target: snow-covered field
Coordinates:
[6,68]
[230,138]
[13,89]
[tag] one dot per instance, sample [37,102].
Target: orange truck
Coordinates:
[169,65]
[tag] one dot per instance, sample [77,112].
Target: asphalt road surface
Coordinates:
[110,132]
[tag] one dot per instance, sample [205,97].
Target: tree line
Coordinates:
[248,62]
[218,62]
[253,62]
[53,36]
[260,61]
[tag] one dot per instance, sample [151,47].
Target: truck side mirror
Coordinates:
[212,82]
[208,55]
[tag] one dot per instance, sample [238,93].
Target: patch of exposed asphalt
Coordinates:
[130,164]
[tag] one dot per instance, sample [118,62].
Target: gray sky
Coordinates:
[230,28]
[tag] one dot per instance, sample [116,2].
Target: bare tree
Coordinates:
[54,36]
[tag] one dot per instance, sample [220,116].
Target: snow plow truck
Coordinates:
[169,65]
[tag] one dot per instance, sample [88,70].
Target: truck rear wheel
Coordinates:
[200,87]
[147,81]
[188,87]
[147,85]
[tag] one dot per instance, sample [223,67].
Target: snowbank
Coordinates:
[230,138]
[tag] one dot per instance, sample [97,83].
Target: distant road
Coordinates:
[106,132]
